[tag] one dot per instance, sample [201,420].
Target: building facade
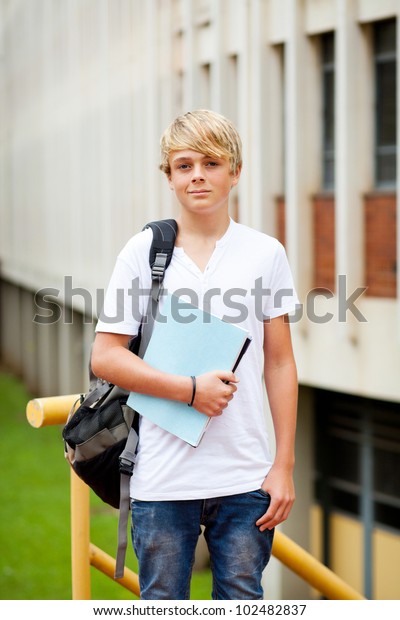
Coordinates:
[87,87]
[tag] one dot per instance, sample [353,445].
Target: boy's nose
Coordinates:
[198,174]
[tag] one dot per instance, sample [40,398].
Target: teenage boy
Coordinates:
[229,483]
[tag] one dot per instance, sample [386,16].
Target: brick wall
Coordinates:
[280,219]
[324,241]
[323,235]
[380,241]
[380,244]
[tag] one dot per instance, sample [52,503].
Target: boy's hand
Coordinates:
[212,394]
[279,485]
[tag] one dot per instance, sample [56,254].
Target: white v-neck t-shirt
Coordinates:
[247,280]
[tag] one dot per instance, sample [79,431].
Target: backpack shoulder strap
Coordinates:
[161,250]
[164,235]
[160,255]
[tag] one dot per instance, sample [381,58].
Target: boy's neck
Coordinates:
[208,227]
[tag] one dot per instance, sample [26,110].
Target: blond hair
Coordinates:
[203,131]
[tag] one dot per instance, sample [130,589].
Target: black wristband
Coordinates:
[193,392]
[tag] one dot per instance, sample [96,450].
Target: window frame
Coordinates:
[327,40]
[382,59]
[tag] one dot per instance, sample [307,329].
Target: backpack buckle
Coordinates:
[159,266]
[157,274]
[127,464]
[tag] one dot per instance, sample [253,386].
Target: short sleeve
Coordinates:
[282,297]
[128,290]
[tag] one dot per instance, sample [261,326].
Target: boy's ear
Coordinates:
[236,176]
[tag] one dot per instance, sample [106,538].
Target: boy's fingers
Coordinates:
[276,514]
[227,376]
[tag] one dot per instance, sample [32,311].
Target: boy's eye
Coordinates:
[187,165]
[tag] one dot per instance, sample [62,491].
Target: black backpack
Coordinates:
[101,435]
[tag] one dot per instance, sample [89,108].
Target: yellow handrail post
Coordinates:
[106,564]
[50,410]
[80,538]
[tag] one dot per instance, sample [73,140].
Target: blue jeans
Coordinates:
[165,533]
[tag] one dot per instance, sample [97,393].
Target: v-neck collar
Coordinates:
[219,244]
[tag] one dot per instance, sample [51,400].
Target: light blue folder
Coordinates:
[187,341]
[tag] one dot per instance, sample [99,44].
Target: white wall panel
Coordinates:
[369,10]
[320,16]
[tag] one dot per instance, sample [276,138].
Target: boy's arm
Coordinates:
[282,388]
[112,360]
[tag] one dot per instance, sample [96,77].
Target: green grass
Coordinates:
[35,559]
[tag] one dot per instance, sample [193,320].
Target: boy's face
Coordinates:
[201,183]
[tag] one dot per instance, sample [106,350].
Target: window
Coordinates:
[384,37]
[204,94]
[230,89]
[328,110]
[357,465]
[357,456]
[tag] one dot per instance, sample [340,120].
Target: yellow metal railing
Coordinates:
[54,410]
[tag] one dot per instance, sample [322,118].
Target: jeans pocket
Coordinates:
[260,493]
